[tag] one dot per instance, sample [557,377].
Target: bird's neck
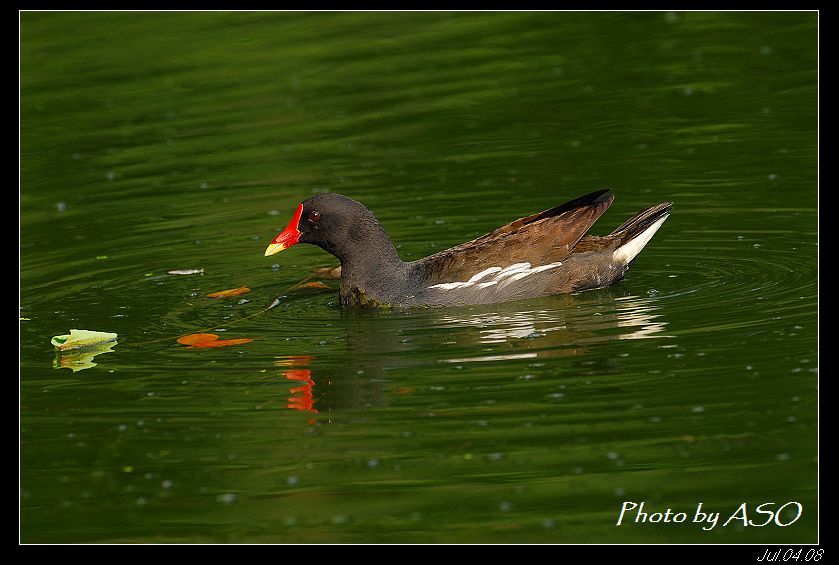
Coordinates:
[370,264]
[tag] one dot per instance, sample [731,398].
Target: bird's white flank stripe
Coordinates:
[629,250]
[498,276]
[482,274]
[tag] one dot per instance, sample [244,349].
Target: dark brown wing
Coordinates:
[538,239]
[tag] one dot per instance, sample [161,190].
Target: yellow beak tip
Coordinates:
[274,248]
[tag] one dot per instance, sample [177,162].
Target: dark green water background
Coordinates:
[158,141]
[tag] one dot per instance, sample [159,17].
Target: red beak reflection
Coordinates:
[300,397]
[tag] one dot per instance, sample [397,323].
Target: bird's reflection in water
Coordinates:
[638,316]
[300,397]
[381,346]
[568,327]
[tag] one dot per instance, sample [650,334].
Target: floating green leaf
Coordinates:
[78,339]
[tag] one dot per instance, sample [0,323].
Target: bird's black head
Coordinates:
[337,224]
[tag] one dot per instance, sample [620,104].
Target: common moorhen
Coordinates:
[543,254]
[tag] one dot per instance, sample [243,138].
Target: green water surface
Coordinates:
[160,141]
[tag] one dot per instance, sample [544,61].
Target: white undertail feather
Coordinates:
[497,275]
[629,250]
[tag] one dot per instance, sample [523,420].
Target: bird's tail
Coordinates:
[637,231]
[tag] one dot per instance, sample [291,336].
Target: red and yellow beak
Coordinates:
[288,237]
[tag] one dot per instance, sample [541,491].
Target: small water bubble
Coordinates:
[111,175]
[688,91]
[557,395]
[613,455]
[372,462]
[740,237]
[122,427]
[783,456]
[652,292]
[292,480]
[697,409]
[527,377]
[61,206]
[505,506]
[142,501]
[756,246]
[772,176]
[227,498]
[203,186]
[671,17]
[166,484]
[495,456]
[275,267]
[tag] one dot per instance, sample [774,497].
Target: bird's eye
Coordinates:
[314,216]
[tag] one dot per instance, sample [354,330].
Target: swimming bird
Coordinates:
[538,255]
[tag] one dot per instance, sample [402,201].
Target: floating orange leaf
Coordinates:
[315,284]
[229,292]
[204,341]
[192,339]
[220,343]
[329,272]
